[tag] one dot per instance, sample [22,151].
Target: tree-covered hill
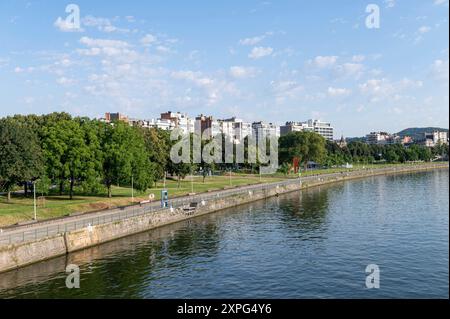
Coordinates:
[417,132]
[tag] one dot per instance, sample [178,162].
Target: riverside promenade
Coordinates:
[22,245]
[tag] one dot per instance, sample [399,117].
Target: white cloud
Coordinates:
[260,52]
[104,43]
[324,61]
[4,62]
[252,41]
[102,24]
[358,58]
[65,26]
[389,3]
[24,70]
[284,90]
[380,89]
[214,88]
[65,81]
[255,40]
[350,69]
[90,52]
[163,49]
[148,39]
[336,92]
[424,29]
[240,72]
[440,69]
[420,33]
[111,48]
[440,2]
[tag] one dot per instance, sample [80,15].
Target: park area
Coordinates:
[21,208]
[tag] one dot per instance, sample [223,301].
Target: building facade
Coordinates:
[322,128]
[262,130]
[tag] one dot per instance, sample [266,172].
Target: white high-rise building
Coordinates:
[322,128]
[261,130]
[242,130]
[179,120]
[235,129]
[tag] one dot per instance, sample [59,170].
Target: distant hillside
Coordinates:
[414,132]
[417,132]
[355,139]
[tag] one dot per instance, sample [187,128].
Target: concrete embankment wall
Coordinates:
[19,255]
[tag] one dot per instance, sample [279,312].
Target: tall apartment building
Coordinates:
[261,130]
[383,138]
[433,139]
[322,128]
[112,117]
[207,123]
[227,128]
[242,130]
[378,138]
[295,127]
[179,120]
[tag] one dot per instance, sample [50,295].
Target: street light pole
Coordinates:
[34,197]
[132,189]
[164,186]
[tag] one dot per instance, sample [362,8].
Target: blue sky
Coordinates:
[258,60]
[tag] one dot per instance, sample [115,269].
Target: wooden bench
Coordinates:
[189,210]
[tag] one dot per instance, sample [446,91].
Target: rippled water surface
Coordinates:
[314,243]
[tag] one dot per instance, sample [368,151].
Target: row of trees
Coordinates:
[59,150]
[62,152]
[309,146]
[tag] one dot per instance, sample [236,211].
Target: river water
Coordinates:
[315,243]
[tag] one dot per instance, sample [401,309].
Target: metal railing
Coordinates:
[61,226]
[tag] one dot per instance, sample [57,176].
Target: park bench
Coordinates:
[189,210]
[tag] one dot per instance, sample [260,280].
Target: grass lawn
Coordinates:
[21,208]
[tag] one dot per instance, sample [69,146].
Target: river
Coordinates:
[314,243]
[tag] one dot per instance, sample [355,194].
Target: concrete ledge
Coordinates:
[19,255]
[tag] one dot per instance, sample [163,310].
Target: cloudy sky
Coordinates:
[258,60]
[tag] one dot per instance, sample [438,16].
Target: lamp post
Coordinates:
[34,200]
[192,182]
[132,189]
[164,180]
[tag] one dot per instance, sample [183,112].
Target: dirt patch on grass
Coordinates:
[98,206]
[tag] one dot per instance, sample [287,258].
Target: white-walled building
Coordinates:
[383,138]
[179,120]
[262,129]
[322,128]
[433,139]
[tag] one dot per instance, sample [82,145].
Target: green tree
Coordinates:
[124,156]
[20,154]
[157,143]
[71,147]
[308,146]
